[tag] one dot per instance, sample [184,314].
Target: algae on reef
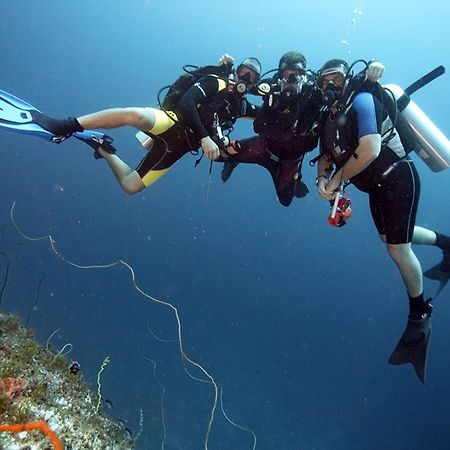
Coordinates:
[36,384]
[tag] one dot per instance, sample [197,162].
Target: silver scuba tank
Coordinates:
[145,140]
[433,147]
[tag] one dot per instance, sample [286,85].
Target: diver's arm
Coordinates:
[187,107]
[369,119]
[368,149]
[196,95]
[324,171]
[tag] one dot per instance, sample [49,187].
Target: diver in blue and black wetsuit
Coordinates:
[353,149]
[211,105]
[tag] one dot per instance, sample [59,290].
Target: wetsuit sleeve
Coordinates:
[196,95]
[368,114]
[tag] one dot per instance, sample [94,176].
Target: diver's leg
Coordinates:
[168,147]
[409,267]
[246,151]
[423,236]
[413,344]
[394,209]
[285,181]
[440,271]
[141,118]
[129,180]
[158,160]
[397,201]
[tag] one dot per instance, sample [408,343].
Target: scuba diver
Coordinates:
[203,113]
[359,142]
[287,125]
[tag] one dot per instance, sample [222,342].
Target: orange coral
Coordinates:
[11,389]
[39,425]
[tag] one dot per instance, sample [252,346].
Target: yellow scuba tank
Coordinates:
[433,147]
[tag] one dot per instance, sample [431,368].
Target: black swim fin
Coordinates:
[301,190]
[413,345]
[227,170]
[440,272]
[19,116]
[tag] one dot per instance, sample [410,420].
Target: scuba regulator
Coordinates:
[244,84]
[291,86]
[287,89]
[331,95]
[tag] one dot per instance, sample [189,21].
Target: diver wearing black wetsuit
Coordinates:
[287,125]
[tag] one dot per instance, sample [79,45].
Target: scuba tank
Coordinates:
[145,140]
[184,82]
[432,145]
[416,131]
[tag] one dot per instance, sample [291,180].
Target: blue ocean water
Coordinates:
[295,319]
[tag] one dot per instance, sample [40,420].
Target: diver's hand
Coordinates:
[210,148]
[328,188]
[226,59]
[375,71]
[322,183]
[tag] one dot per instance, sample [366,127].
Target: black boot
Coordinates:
[59,127]
[419,308]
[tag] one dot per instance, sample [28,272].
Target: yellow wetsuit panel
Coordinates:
[150,169]
[162,121]
[162,124]
[153,176]
[222,84]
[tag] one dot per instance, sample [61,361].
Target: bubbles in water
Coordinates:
[357,12]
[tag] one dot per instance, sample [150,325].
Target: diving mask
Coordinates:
[291,86]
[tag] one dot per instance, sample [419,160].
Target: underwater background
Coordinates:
[295,319]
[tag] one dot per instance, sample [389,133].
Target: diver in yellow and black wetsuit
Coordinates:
[210,105]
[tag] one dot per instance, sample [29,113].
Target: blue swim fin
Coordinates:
[16,116]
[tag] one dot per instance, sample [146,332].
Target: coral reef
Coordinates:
[38,385]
